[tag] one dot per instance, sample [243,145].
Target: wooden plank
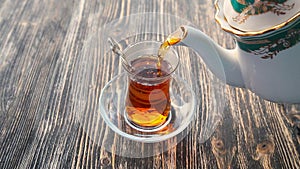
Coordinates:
[49,90]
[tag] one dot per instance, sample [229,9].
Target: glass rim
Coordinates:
[134,74]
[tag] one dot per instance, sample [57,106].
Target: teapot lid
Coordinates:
[255,17]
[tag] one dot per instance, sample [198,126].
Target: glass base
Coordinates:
[163,126]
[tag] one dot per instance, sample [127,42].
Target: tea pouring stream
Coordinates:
[266,58]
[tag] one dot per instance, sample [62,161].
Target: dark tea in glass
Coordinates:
[148,99]
[148,102]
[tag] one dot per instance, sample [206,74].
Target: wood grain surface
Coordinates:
[47,84]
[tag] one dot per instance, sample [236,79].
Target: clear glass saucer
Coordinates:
[124,140]
[112,106]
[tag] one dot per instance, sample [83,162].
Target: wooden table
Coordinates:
[45,82]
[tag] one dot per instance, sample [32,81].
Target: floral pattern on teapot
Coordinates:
[269,47]
[246,8]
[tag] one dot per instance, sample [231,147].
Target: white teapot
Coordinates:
[266,59]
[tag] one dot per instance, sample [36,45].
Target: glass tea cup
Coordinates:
[148,103]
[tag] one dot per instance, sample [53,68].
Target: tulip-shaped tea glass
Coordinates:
[148,103]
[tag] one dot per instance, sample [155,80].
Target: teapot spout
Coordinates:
[220,61]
